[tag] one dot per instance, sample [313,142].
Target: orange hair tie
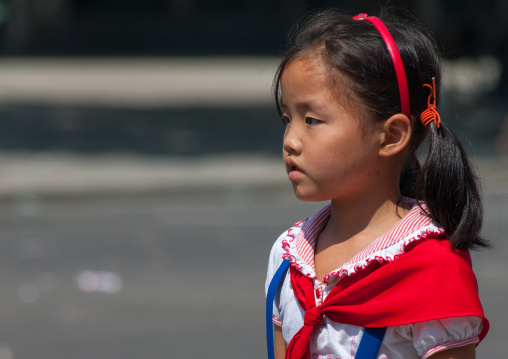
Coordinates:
[431,114]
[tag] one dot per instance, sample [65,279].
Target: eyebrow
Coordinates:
[305,105]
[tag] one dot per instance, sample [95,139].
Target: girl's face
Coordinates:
[327,155]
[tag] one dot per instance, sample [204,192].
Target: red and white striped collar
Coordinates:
[301,240]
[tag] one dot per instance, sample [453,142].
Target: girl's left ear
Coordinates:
[395,135]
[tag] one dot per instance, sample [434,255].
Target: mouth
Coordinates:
[291,167]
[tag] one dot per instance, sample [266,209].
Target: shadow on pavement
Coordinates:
[193,131]
[180,132]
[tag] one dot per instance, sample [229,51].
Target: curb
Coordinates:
[64,175]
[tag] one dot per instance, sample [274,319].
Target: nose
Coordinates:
[292,143]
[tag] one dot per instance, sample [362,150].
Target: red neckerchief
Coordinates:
[430,281]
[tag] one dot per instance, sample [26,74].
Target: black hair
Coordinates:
[356,55]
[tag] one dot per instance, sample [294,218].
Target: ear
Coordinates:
[395,135]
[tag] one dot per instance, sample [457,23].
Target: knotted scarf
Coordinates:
[431,280]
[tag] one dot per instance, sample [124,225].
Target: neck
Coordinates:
[370,216]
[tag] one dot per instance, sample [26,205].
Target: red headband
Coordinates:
[397,61]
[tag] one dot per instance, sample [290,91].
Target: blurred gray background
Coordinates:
[141,187]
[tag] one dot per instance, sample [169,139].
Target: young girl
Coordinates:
[357,97]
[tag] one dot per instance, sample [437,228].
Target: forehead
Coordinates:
[307,62]
[304,77]
[308,83]
[303,68]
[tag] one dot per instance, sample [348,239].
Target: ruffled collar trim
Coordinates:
[299,244]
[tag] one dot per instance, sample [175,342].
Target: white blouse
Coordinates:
[335,340]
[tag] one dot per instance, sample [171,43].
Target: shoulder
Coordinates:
[438,252]
[433,257]
[280,249]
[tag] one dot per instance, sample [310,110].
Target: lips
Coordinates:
[294,172]
[291,165]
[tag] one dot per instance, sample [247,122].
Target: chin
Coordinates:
[309,197]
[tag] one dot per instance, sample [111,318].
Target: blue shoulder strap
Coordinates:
[370,343]
[371,339]
[270,296]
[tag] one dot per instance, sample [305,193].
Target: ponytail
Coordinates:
[449,188]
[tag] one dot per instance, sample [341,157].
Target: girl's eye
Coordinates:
[285,120]
[311,121]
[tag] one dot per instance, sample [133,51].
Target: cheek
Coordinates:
[335,151]
[344,156]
